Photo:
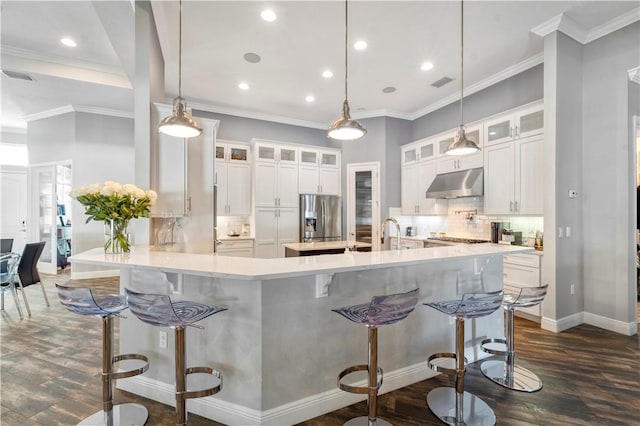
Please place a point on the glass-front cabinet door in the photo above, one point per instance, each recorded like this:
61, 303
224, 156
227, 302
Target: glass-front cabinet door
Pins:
499, 130
530, 121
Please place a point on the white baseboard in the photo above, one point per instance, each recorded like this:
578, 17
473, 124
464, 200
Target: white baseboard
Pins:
557, 326
94, 274
626, 328
562, 324
294, 412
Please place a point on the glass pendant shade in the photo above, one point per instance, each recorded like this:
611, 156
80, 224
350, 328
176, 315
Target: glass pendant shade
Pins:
179, 123
345, 128
461, 145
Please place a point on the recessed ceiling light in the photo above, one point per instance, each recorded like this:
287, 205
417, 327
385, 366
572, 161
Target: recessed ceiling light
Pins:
243, 86
254, 58
310, 98
360, 45
268, 15
389, 89
426, 66
68, 42
327, 73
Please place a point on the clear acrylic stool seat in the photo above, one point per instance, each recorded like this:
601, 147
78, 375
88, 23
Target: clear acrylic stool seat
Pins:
81, 300
8, 270
159, 310
381, 310
506, 372
455, 406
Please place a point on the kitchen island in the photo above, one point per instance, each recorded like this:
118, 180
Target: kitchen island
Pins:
279, 346
323, 247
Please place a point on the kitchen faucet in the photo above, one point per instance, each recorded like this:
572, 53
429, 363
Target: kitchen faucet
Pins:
395, 222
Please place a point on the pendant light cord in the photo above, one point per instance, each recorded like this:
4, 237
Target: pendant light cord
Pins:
346, 46
180, 54
461, 60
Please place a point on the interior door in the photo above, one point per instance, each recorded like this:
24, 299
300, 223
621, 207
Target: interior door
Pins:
43, 214
13, 208
363, 203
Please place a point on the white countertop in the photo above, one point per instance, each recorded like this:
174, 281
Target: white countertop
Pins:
325, 245
260, 269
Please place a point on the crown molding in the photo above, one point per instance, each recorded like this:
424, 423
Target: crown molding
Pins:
77, 108
218, 109
564, 24
634, 75
374, 113
614, 24
483, 84
576, 31
74, 63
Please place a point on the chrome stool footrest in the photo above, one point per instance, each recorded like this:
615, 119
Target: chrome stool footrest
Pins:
439, 368
491, 351
204, 392
129, 373
358, 389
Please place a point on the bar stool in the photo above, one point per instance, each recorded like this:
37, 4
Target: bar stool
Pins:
8, 269
455, 406
381, 310
160, 311
505, 372
80, 300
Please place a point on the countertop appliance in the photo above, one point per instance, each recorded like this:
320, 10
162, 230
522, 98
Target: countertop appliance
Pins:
320, 218
409, 231
496, 230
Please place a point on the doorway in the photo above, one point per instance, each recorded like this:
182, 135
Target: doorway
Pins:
49, 209
363, 203
13, 207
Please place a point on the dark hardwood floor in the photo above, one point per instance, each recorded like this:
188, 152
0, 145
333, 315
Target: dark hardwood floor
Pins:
50, 374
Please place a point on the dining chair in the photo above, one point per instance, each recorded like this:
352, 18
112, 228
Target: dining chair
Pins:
8, 267
6, 244
27, 273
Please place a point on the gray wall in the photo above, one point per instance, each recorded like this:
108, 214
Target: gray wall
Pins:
100, 148
243, 129
510, 93
607, 178
562, 262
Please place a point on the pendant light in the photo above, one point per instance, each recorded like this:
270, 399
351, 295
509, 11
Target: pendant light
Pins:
461, 145
179, 123
345, 128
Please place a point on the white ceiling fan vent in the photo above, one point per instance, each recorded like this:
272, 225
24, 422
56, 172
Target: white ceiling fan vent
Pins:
17, 75
442, 82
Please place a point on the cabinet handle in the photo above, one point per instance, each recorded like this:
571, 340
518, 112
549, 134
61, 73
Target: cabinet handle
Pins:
510, 206
517, 131
189, 203
515, 206
510, 132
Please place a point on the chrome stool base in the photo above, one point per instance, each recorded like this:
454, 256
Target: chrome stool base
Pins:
122, 414
364, 421
476, 412
520, 379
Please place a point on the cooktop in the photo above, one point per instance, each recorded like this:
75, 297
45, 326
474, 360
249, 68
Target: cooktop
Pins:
459, 240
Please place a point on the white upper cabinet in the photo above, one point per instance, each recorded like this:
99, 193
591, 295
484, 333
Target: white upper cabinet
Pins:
319, 172
233, 179
181, 169
422, 150
520, 123
276, 175
513, 177
415, 180
452, 163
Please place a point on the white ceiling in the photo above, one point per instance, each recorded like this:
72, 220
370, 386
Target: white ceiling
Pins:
307, 38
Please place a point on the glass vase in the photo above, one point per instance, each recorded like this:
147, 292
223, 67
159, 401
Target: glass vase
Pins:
116, 236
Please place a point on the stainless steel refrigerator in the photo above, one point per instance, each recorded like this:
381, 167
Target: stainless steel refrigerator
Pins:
320, 218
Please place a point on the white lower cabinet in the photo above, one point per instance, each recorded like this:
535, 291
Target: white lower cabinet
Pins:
513, 174
416, 179
522, 270
275, 227
236, 248
405, 243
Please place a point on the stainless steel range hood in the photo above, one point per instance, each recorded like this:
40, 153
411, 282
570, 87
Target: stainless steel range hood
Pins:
464, 183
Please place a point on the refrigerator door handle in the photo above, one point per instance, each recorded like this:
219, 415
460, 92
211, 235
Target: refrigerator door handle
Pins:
324, 218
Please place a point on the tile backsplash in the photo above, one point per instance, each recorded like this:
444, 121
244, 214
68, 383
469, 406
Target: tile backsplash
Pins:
466, 219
